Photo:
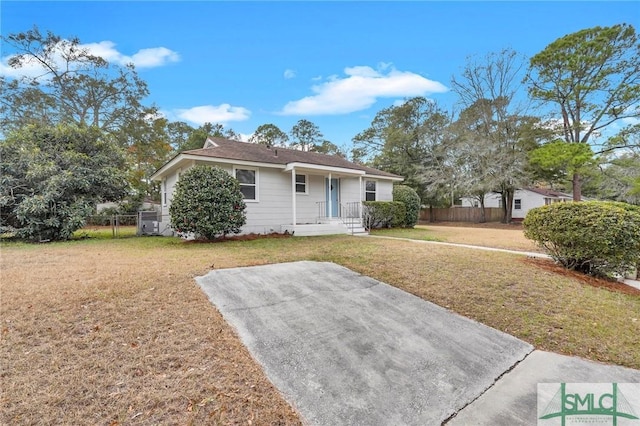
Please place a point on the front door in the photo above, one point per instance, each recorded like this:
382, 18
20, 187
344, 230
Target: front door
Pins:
332, 190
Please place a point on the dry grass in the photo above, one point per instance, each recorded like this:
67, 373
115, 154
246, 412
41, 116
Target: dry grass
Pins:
117, 331
497, 235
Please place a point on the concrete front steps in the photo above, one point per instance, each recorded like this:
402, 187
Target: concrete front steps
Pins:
329, 227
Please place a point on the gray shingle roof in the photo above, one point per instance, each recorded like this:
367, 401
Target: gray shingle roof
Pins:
549, 192
234, 150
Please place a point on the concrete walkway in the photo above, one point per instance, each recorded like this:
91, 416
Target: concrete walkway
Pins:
345, 349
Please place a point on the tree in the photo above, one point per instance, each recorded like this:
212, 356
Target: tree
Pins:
208, 202
147, 147
328, 148
559, 160
270, 135
408, 140
74, 86
620, 178
593, 76
197, 137
493, 123
305, 135
219, 131
52, 177
178, 133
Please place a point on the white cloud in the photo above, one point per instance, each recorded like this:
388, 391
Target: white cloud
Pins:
31, 70
242, 137
288, 74
143, 58
213, 114
360, 89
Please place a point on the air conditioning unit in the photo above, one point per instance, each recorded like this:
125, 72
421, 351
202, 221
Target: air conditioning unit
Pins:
148, 223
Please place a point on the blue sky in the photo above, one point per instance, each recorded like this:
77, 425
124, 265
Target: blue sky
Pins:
336, 64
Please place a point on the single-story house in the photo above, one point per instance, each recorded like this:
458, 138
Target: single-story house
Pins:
285, 190
524, 200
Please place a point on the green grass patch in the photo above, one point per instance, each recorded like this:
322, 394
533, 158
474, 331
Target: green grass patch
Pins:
105, 232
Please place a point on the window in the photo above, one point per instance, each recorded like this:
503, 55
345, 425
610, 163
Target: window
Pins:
301, 184
370, 190
248, 183
517, 204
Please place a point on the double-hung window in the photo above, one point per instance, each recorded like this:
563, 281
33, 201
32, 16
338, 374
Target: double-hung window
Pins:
517, 204
370, 190
248, 179
301, 184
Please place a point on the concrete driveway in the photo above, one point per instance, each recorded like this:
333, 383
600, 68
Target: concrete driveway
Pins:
345, 349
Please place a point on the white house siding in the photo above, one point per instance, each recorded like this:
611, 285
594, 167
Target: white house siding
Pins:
307, 204
350, 190
274, 208
384, 190
528, 200
167, 185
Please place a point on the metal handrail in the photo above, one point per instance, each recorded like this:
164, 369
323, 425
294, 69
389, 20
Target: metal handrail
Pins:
349, 213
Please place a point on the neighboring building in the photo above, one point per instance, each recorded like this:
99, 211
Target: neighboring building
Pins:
147, 204
285, 190
524, 200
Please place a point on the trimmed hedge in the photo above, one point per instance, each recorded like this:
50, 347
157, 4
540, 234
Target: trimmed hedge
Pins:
407, 195
383, 214
207, 202
598, 238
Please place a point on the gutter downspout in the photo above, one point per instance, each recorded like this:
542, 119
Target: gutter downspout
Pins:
330, 197
293, 196
360, 200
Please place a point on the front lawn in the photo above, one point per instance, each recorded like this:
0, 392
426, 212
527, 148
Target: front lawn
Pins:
510, 237
117, 332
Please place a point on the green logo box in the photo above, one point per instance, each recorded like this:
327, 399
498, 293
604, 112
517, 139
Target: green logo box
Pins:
578, 404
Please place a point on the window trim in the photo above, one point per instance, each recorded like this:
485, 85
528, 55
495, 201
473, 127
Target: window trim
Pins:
517, 203
306, 184
374, 192
256, 184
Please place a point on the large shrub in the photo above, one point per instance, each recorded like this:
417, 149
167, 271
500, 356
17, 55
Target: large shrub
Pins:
52, 177
208, 202
407, 195
598, 238
383, 214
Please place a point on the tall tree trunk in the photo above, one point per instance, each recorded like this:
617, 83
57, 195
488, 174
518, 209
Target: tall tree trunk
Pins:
483, 215
503, 204
431, 218
577, 187
507, 204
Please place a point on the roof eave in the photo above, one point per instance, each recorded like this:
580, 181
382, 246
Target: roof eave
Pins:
393, 178
344, 170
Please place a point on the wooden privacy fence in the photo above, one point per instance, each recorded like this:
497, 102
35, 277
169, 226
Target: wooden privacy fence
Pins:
460, 214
